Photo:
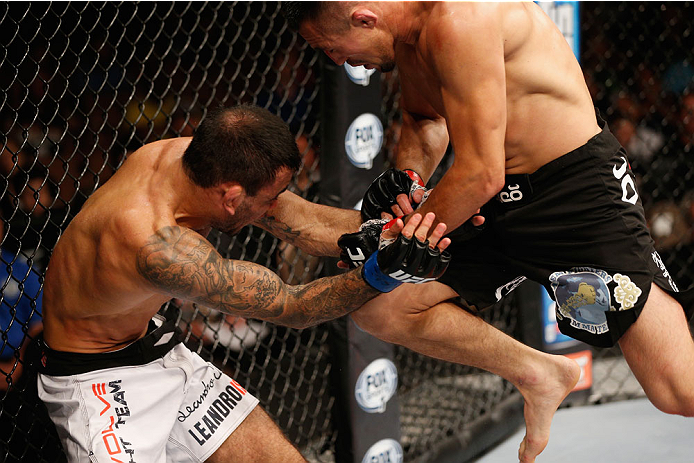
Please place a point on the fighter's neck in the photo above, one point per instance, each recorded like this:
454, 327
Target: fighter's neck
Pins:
194, 206
410, 20
190, 204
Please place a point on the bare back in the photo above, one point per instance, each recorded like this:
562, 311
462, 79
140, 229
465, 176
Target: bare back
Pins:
140, 241
545, 92
111, 304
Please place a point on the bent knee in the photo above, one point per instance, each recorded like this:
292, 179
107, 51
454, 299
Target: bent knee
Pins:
389, 315
378, 320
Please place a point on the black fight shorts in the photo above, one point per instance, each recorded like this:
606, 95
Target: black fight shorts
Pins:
577, 227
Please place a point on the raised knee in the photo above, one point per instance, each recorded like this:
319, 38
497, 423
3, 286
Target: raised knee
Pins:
386, 318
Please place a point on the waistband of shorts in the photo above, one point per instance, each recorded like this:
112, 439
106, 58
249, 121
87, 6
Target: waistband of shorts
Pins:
519, 189
161, 337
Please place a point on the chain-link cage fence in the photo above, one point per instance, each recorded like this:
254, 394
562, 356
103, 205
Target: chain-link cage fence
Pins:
84, 84
638, 61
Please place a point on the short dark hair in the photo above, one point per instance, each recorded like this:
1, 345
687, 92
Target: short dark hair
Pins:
244, 144
297, 12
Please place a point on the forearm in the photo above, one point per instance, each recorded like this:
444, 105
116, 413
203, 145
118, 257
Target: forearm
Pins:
325, 299
313, 228
263, 295
455, 199
180, 263
423, 142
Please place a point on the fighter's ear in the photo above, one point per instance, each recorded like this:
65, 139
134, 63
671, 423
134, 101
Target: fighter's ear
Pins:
363, 17
232, 196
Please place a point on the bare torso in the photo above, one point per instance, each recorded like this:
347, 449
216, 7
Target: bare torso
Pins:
94, 298
549, 110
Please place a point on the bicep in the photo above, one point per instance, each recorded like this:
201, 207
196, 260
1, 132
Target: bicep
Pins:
182, 264
473, 88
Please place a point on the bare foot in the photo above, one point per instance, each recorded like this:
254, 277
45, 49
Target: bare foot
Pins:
543, 391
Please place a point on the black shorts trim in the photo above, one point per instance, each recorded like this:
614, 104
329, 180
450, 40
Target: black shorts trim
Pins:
154, 345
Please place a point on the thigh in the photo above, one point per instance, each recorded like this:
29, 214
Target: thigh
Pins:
388, 315
480, 272
259, 439
659, 343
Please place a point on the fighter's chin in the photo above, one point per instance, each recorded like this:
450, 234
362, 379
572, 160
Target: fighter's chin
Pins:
388, 66
228, 228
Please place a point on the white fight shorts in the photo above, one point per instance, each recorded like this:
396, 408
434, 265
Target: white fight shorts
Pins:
176, 408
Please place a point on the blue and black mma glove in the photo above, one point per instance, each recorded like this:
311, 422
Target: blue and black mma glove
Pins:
383, 192
356, 247
406, 260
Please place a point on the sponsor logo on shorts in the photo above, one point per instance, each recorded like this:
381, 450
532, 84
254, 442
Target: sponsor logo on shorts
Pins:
626, 293
116, 409
510, 193
220, 408
582, 298
376, 385
659, 262
503, 291
384, 451
206, 388
621, 173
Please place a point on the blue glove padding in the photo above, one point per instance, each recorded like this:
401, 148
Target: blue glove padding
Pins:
375, 277
404, 261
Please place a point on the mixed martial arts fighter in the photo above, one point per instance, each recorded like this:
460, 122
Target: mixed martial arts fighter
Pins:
500, 82
114, 376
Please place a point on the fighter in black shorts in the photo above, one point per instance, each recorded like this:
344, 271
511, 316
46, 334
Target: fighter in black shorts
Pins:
577, 227
499, 83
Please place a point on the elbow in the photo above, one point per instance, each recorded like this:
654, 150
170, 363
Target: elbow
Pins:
488, 182
298, 321
494, 182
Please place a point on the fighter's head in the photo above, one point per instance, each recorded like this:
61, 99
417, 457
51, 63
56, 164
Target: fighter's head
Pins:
352, 32
250, 154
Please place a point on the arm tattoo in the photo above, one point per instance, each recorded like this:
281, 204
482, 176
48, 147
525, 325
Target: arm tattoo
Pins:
182, 263
279, 229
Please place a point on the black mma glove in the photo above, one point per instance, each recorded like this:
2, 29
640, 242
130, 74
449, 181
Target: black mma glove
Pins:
384, 190
404, 261
355, 248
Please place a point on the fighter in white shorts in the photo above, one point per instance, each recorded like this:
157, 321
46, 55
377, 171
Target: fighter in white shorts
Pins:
117, 382
175, 407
